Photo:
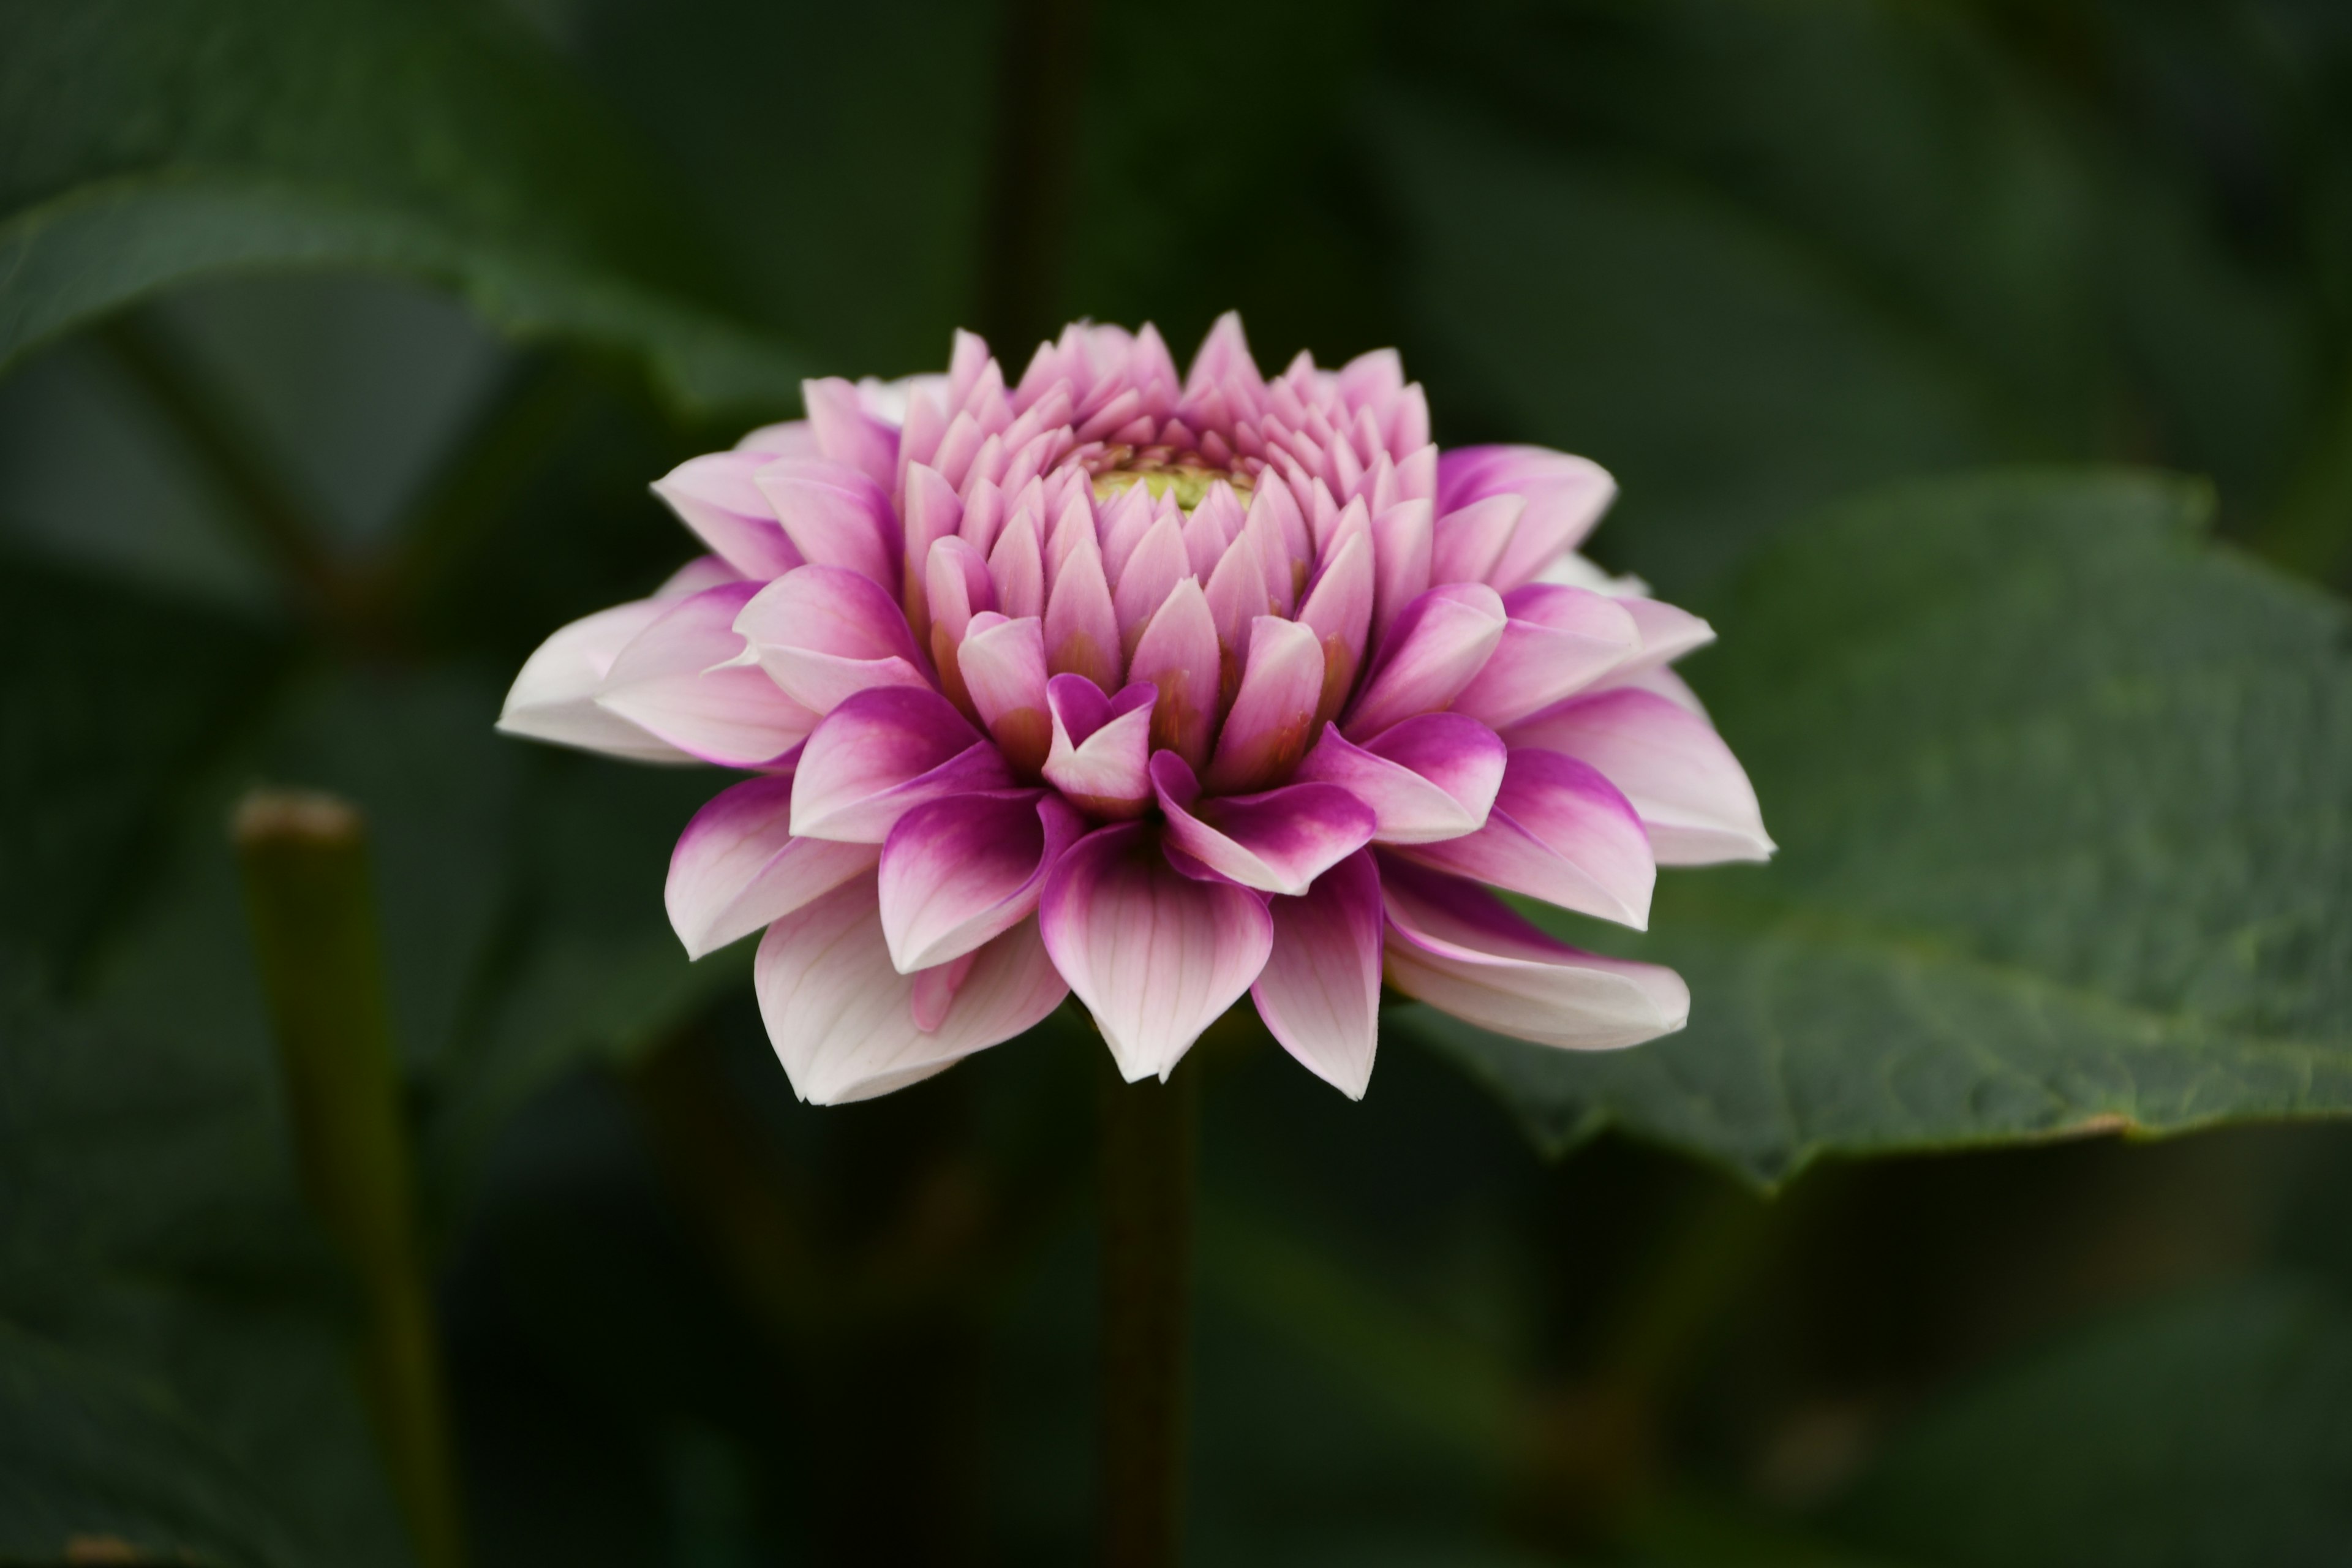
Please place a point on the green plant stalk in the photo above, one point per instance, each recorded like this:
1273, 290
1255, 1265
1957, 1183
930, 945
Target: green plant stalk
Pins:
1148, 1134
311, 905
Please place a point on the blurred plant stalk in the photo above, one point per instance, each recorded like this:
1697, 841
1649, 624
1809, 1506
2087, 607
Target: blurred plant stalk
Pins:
1149, 1135
309, 898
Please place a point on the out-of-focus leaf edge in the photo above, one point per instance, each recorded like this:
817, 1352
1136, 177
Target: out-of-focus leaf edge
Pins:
77, 258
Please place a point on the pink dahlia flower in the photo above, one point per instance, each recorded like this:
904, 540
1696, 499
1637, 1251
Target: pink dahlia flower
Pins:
1159, 688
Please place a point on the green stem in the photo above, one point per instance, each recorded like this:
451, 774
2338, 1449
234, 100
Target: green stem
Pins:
1148, 1133
308, 899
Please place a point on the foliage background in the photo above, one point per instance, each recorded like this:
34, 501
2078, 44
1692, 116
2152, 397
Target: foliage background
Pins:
1984, 369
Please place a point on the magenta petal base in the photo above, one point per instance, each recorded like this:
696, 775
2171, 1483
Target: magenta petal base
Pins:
1158, 688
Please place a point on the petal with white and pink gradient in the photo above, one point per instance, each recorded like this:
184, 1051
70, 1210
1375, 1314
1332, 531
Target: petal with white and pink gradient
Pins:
1319, 992
716, 496
1155, 955
963, 870
1433, 777
1277, 842
1560, 832
1558, 642
1436, 647
1178, 654
682, 679
824, 633
1690, 792
1102, 745
842, 1018
1272, 718
1454, 945
1003, 667
880, 755
553, 696
737, 867
834, 516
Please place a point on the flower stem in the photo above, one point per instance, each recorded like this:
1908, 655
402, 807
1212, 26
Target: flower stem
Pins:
1148, 1133
313, 920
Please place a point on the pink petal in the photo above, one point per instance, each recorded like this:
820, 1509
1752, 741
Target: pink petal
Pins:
1319, 992
847, 434
554, 696
835, 516
1273, 716
1017, 566
1558, 641
1003, 665
1667, 634
963, 870
679, 679
823, 633
1691, 793
792, 438
1436, 649
1177, 654
1081, 627
1431, 778
1339, 613
1460, 949
715, 496
1101, 745
1558, 832
1155, 955
1402, 549
1152, 573
934, 512
842, 1018
702, 572
1277, 842
1470, 539
736, 866
1566, 496
882, 753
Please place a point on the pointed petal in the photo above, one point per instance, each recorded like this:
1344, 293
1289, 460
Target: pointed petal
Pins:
1319, 992
1273, 716
1560, 832
880, 755
1667, 634
823, 633
1003, 665
715, 496
1017, 566
679, 679
737, 867
1277, 842
554, 694
963, 870
1177, 654
1558, 641
1565, 495
1158, 563
1155, 955
1081, 627
1436, 649
847, 434
1339, 613
1690, 792
1470, 539
843, 1019
1457, 947
1102, 746
1403, 546
834, 516
1431, 778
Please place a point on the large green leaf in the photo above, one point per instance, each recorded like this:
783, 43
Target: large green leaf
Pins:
148, 142
2065, 802
2214, 1430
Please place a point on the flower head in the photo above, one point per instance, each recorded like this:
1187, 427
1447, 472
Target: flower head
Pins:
1158, 688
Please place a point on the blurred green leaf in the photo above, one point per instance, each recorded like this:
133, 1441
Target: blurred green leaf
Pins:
147, 142
2209, 1430
2065, 802
108, 698
174, 1369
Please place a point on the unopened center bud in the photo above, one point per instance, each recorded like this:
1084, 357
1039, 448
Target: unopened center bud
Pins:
1164, 471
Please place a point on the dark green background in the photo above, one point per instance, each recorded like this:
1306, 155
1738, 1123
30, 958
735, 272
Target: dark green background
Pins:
1983, 370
